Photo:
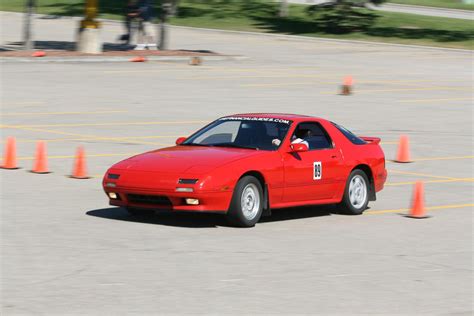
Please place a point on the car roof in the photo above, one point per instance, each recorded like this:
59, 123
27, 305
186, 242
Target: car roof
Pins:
283, 116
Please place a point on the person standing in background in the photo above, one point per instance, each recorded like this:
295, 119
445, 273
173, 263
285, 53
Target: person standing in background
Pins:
139, 12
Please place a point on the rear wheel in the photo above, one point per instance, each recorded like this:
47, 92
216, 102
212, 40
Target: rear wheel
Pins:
356, 193
247, 203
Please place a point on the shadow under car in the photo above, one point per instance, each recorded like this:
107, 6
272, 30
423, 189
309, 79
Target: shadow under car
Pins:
208, 220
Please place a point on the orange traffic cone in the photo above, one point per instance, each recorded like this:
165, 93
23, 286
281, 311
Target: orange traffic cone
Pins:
41, 164
9, 158
79, 171
403, 154
347, 85
38, 54
138, 59
418, 204
195, 61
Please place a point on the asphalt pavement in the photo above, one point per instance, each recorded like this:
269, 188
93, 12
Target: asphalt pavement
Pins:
65, 251
411, 9
428, 11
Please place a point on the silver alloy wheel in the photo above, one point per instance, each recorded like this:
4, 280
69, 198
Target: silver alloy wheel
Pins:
357, 192
250, 201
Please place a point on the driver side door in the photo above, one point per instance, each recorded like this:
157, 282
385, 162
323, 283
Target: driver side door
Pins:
315, 174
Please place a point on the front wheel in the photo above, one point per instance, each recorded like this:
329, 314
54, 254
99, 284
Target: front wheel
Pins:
356, 193
247, 203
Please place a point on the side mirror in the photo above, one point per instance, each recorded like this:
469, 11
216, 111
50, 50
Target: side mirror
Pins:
300, 147
180, 140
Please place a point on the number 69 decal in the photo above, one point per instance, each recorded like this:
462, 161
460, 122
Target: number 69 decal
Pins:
317, 170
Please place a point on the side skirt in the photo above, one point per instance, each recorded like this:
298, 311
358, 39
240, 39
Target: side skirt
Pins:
304, 203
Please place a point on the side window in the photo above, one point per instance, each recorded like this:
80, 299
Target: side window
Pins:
349, 135
314, 134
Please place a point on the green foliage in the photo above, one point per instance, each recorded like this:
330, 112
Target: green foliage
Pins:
344, 16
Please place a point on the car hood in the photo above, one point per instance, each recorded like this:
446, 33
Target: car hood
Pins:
184, 159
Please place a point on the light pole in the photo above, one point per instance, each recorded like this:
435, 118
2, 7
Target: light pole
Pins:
27, 33
163, 26
88, 38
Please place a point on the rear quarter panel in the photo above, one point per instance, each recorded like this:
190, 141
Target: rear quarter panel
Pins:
370, 154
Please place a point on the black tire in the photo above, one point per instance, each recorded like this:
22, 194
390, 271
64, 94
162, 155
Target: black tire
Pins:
139, 212
358, 204
249, 214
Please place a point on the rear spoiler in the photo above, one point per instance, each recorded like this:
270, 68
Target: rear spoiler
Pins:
374, 140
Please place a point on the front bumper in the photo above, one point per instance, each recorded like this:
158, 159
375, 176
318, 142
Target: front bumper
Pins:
209, 201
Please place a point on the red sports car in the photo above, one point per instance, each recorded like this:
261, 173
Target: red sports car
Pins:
244, 165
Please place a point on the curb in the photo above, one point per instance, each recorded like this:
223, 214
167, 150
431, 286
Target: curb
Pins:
325, 39
307, 38
101, 59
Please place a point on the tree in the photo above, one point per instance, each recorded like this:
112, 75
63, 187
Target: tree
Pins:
344, 16
283, 12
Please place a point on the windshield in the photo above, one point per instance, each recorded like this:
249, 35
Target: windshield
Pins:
242, 132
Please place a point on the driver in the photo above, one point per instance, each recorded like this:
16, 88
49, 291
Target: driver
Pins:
300, 137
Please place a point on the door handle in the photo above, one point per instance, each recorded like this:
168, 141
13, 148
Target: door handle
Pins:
333, 156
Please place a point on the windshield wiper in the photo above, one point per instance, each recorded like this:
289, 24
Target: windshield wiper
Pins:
235, 146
